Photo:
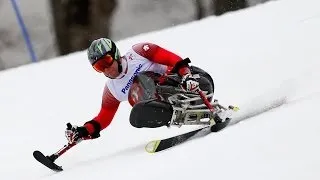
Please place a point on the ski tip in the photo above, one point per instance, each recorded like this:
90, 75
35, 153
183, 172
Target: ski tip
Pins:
36, 152
46, 161
152, 146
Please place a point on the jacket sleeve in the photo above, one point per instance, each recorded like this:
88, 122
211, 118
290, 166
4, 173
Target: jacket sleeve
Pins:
160, 55
108, 109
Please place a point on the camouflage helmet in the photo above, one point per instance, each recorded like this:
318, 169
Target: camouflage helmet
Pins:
100, 47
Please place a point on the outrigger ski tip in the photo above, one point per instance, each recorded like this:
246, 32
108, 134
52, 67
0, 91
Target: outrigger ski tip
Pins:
45, 160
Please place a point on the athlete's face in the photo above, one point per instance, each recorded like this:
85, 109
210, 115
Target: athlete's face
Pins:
108, 66
112, 71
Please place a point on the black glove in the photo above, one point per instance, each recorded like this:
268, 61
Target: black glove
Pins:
75, 134
189, 83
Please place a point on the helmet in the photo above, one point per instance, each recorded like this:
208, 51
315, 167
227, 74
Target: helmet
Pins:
101, 47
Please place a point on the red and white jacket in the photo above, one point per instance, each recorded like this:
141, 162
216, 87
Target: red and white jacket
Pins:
141, 57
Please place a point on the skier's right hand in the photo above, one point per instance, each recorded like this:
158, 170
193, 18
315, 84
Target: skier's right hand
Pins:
189, 83
75, 134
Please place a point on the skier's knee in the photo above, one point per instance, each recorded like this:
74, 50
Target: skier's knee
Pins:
135, 115
205, 84
150, 114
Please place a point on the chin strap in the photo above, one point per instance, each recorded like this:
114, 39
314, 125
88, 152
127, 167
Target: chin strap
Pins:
122, 70
119, 66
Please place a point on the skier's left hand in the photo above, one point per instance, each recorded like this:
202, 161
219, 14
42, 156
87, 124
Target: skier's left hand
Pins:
189, 83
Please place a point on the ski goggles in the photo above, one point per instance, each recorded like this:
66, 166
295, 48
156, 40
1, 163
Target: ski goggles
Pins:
103, 63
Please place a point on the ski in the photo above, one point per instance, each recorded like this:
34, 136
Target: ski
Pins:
164, 144
47, 161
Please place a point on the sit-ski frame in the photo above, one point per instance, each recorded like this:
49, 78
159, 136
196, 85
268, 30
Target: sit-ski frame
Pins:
184, 113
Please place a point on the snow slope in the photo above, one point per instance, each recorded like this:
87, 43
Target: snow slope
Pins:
273, 62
